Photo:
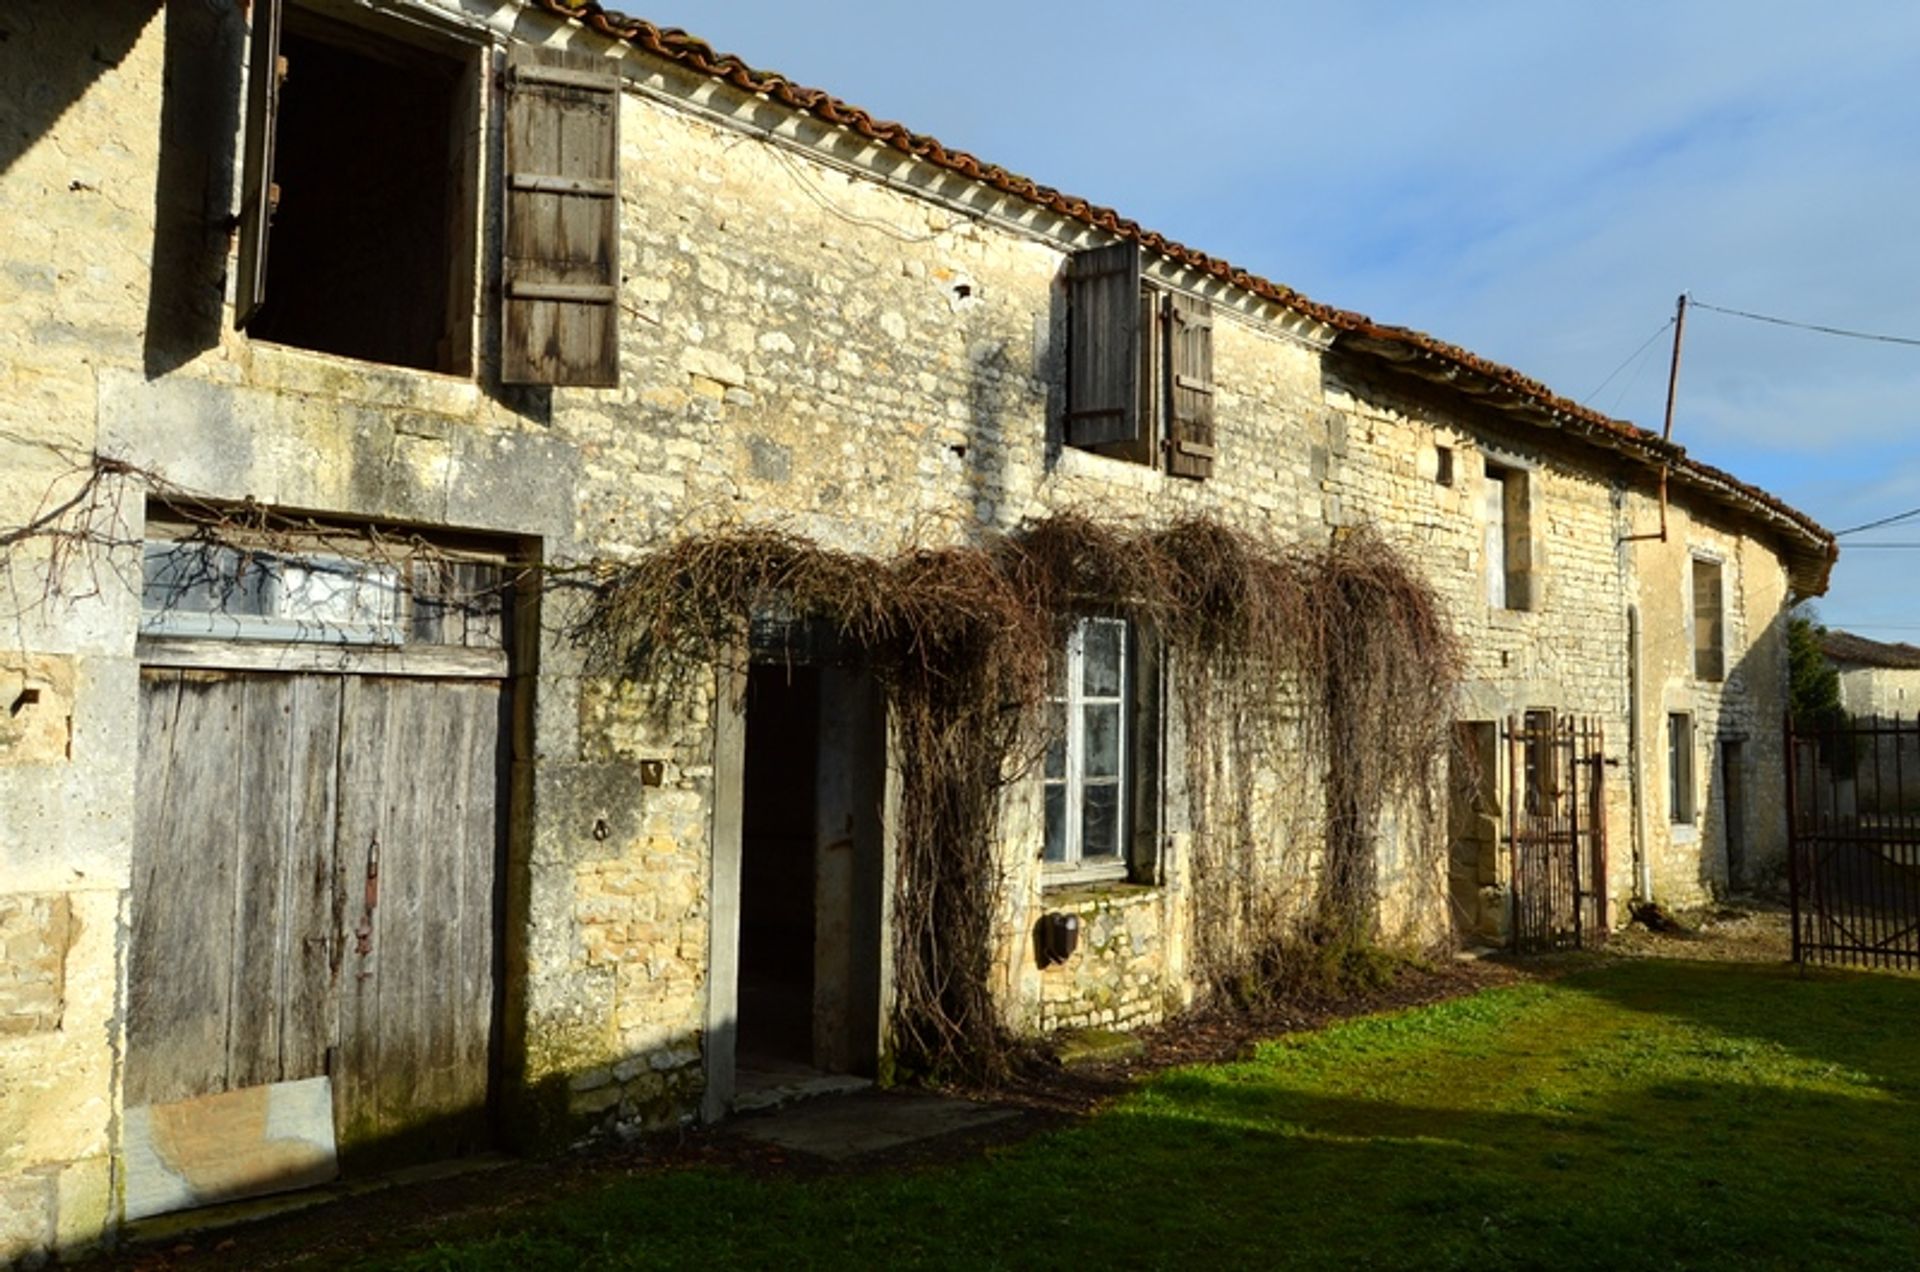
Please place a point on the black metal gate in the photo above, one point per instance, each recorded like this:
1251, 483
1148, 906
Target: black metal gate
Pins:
1556, 831
1853, 801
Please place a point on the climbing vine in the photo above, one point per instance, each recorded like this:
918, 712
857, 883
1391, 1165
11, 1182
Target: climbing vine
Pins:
1332, 665
1314, 686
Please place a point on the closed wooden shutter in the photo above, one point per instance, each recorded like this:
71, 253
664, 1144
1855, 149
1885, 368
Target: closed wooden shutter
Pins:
258, 194
1190, 436
561, 272
1103, 347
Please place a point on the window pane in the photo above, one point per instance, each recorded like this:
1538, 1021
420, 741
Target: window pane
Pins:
1056, 822
340, 594
1100, 829
1102, 724
1104, 640
199, 578
1056, 740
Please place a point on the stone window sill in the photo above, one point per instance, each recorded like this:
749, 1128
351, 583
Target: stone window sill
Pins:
1078, 893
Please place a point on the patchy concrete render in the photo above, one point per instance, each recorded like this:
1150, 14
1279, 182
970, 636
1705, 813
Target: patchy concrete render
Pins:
867, 361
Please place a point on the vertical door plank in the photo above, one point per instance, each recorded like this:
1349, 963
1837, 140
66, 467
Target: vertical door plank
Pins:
180, 966
440, 792
259, 962
315, 898
364, 771
482, 769
411, 798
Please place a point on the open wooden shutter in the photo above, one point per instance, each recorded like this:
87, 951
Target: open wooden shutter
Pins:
1190, 439
561, 266
1146, 762
258, 194
1103, 346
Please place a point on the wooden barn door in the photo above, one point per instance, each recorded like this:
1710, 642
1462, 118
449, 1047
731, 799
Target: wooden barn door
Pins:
315, 894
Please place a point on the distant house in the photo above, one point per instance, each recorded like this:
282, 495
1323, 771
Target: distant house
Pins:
1877, 678
473, 298
1880, 689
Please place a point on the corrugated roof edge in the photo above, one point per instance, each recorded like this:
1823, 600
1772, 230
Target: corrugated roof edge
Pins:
675, 45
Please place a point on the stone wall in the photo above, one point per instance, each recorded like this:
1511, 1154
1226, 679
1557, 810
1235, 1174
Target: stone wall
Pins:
866, 361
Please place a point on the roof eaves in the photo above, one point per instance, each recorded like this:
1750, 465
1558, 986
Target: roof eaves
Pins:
1817, 549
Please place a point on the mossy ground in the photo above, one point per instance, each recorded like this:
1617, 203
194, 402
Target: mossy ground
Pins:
1637, 1114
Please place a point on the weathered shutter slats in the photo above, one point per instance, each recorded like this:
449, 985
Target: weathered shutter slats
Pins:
561, 272
257, 191
1190, 432
1103, 346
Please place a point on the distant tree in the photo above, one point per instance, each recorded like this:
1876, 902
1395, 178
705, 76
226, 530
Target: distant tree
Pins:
1814, 696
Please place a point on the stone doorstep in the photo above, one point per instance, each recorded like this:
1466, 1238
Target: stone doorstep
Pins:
231, 1214
854, 1125
775, 1095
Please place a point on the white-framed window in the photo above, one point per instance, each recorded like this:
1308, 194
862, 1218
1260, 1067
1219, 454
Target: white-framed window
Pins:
1086, 774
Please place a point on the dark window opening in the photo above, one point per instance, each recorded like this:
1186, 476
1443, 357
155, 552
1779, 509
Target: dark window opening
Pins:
1680, 806
371, 222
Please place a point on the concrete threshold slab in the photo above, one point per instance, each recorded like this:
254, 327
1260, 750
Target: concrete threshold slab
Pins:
845, 1127
229, 1214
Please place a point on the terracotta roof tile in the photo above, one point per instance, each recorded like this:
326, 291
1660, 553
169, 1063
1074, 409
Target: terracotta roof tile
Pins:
1848, 648
1818, 549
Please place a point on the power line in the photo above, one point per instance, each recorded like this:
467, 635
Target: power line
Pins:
1908, 515
1911, 543
1807, 326
1623, 366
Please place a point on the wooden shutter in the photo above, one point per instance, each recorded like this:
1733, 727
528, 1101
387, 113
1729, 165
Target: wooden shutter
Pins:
561, 268
1145, 763
1103, 347
1190, 447
258, 194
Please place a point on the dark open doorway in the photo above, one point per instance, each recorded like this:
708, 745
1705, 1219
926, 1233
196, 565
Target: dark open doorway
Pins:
810, 877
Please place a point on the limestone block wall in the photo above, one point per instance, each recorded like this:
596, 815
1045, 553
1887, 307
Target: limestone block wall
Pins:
1880, 691
867, 359
77, 180
1887, 769
1688, 859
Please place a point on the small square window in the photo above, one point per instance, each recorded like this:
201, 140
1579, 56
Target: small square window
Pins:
1443, 465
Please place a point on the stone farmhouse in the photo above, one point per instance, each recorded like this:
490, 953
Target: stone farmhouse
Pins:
1877, 678
304, 865
1880, 690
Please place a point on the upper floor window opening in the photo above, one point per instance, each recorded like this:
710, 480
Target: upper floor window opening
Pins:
1509, 539
361, 206
1709, 621
1139, 365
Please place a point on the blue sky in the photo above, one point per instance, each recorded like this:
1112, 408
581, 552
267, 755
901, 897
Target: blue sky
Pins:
1536, 181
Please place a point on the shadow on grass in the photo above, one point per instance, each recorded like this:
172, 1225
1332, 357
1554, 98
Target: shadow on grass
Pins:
1867, 1022
1610, 1120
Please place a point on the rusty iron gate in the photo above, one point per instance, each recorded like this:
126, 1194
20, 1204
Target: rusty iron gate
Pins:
1556, 831
1853, 816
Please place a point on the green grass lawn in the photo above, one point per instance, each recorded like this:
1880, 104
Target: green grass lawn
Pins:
1637, 1114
